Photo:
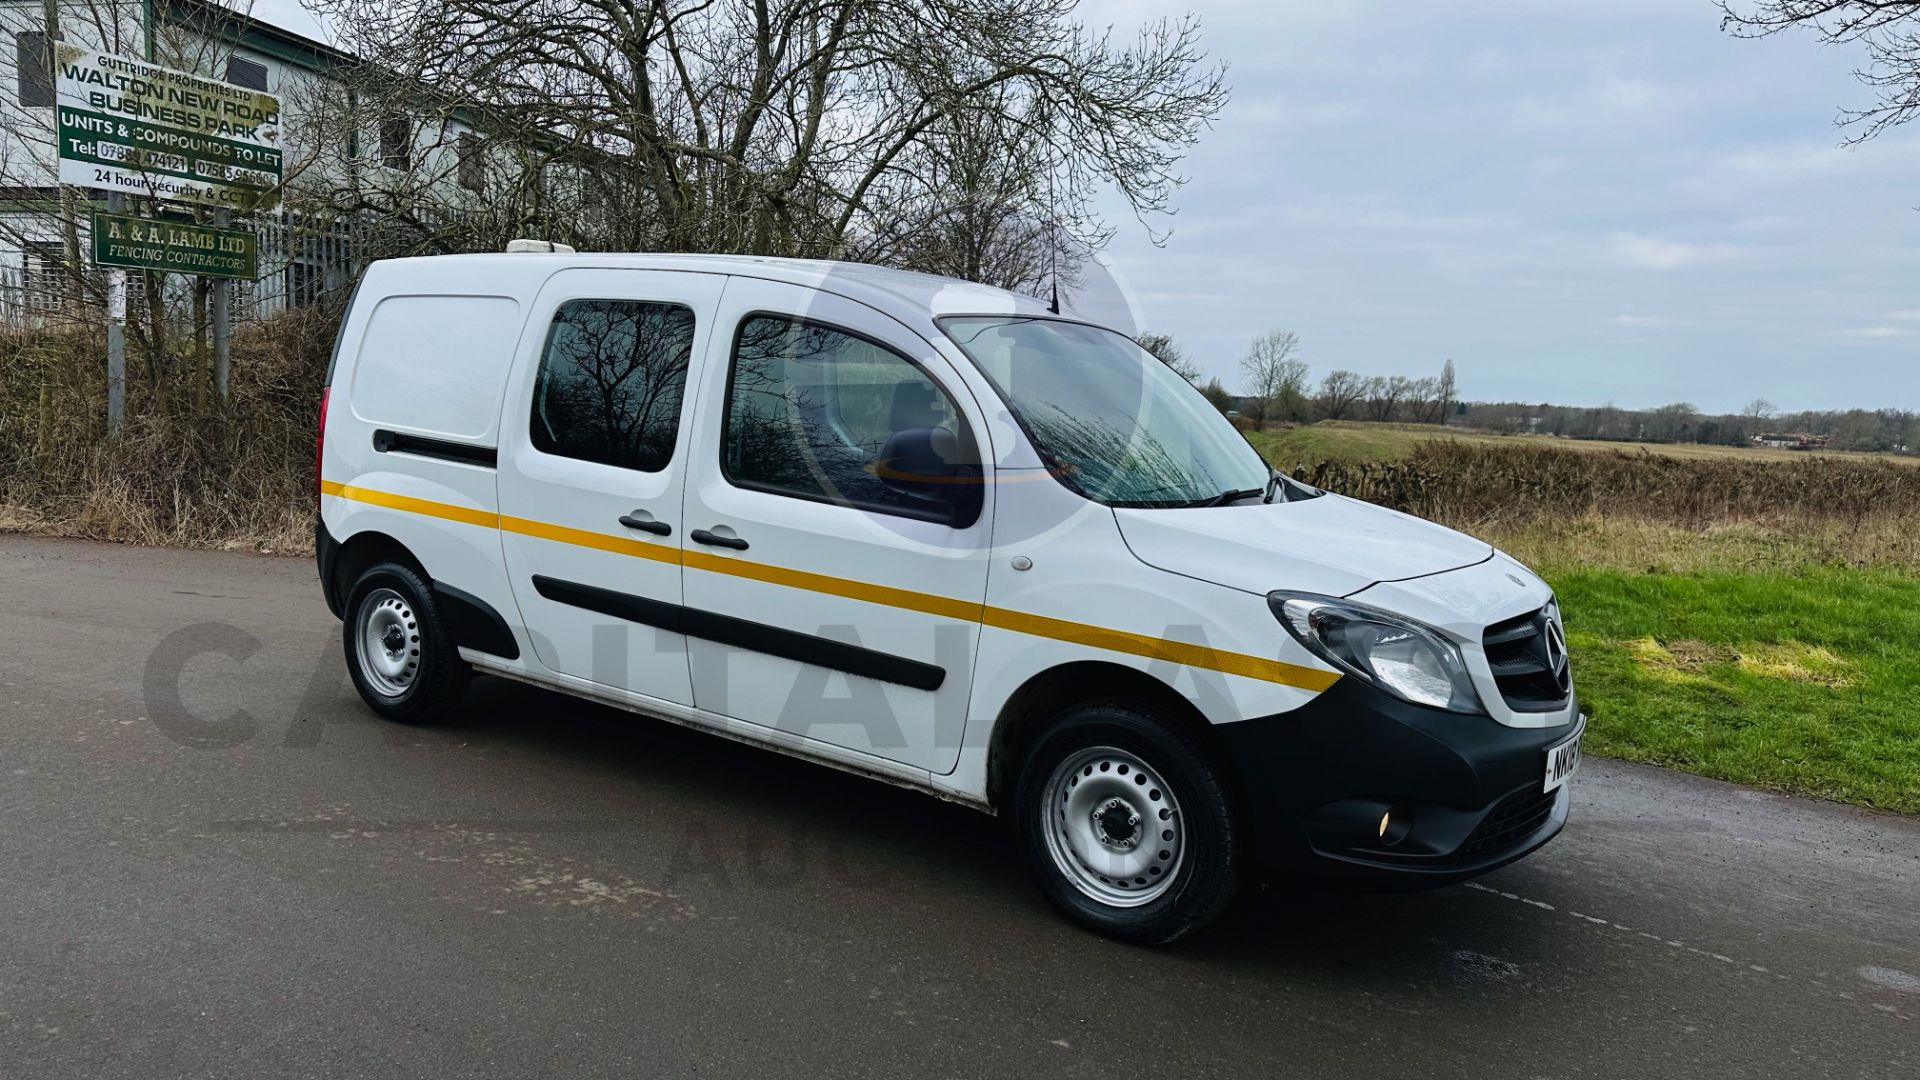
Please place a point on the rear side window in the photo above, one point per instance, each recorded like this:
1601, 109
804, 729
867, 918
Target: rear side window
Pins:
811, 411
611, 381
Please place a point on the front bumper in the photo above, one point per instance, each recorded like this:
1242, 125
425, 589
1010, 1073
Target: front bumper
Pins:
1463, 791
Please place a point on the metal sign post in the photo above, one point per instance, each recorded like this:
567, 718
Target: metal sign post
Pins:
116, 335
222, 329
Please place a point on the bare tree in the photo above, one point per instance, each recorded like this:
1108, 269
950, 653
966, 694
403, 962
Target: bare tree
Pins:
1168, 352
1448, 390
1889, 31
1425, 403
1384, 395
932, 133
1275, 376
1339, 393
1758, 411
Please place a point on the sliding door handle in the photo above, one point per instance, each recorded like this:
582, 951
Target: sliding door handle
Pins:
702, 536
657, 528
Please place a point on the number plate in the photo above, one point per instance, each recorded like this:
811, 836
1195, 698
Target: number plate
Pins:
1562, 762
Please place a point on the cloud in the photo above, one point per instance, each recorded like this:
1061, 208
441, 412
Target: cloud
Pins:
1904, 316
1874, 333
1644, 322
1658, 253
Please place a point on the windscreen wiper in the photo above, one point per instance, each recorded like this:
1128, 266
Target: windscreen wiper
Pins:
1226, 497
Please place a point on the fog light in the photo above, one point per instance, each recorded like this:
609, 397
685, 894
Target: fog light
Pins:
1395, 824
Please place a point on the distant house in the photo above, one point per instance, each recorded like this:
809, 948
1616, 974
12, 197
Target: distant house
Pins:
1793, 441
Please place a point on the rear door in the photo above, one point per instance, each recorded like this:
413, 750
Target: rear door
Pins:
824, 602
592, 468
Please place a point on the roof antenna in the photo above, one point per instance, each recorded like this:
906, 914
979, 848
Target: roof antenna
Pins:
1053, 214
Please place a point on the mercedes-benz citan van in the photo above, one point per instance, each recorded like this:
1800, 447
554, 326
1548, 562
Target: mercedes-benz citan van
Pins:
936, 534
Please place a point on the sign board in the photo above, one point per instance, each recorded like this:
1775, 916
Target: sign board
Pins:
129, 126
182, 247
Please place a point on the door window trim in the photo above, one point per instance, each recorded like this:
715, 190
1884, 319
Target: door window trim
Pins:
965, 431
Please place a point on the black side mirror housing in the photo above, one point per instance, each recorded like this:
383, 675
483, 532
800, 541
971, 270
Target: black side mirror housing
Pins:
931, 467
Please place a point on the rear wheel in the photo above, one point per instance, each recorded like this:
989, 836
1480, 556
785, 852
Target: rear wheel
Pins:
1127, 824
399, 653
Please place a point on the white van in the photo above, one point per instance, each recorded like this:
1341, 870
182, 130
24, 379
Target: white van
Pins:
933, 533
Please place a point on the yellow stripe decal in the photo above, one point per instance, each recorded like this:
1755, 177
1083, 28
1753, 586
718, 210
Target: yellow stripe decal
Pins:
1179, 652
619, 545
1097, 637
464, 515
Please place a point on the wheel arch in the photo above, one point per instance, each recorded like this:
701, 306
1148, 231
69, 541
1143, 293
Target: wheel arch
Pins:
1049, 693
357, 553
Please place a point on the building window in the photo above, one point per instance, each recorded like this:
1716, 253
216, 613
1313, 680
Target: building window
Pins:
473, 167
244, 72
44, 281
396, 141
35, 68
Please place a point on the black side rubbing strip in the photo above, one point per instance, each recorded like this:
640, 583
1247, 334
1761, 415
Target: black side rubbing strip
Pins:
741, 633
637, 609
812, 649
474, 622
399, 442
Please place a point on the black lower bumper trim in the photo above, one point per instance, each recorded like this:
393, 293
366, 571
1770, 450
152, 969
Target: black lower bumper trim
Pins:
1361, 787
326, 552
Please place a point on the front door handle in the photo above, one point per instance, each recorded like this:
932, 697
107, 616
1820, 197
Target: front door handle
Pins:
657, 528
702, 536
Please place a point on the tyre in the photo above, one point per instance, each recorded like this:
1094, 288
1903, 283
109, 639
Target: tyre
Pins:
1127, 824
399, 653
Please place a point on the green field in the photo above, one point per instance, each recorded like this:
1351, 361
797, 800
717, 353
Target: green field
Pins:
1800, 682
1780, 653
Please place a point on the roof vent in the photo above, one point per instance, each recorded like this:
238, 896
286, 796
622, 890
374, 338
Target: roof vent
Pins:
521, 247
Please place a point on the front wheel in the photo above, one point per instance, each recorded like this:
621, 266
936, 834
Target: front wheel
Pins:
1127, 824
401, 657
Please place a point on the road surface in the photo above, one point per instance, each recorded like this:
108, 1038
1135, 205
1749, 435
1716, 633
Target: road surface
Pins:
214, 862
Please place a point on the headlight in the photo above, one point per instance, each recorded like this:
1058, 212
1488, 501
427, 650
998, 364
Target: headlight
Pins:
1402, 657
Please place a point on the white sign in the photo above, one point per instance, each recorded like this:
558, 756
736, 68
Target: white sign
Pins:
129, 126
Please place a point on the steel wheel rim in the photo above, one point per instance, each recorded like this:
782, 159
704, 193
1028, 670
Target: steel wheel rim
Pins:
1113, 827
387, 644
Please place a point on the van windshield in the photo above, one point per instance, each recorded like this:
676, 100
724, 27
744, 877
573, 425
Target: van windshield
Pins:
1107, 417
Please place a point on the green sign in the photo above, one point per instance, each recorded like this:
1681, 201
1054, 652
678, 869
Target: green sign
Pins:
130, 126
120, 240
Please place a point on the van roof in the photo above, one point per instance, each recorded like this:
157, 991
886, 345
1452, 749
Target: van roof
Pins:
898, 292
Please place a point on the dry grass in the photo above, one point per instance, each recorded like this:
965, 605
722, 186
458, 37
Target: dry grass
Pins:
1635, 544
1646, 512
185, 472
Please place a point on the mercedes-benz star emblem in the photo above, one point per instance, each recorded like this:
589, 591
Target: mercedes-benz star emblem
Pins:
1556, 649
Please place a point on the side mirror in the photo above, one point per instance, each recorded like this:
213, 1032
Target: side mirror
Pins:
926, 466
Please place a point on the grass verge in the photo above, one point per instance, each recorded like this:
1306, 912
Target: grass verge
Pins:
1800, 682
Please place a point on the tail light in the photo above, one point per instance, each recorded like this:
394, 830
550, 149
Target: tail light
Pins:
320, 444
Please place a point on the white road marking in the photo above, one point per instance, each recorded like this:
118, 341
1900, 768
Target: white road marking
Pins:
1886, 978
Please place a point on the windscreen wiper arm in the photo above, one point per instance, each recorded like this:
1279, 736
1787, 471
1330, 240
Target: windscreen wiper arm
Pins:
1226, 497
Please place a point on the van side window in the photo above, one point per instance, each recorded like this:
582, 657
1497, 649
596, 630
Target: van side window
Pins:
814, 412
610, 382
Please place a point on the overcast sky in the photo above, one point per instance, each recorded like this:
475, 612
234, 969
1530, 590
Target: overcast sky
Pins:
1578, 201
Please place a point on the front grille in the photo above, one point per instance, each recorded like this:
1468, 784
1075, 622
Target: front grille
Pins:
1529, 660
1511, 820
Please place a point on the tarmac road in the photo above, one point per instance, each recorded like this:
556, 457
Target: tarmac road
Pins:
554, 888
